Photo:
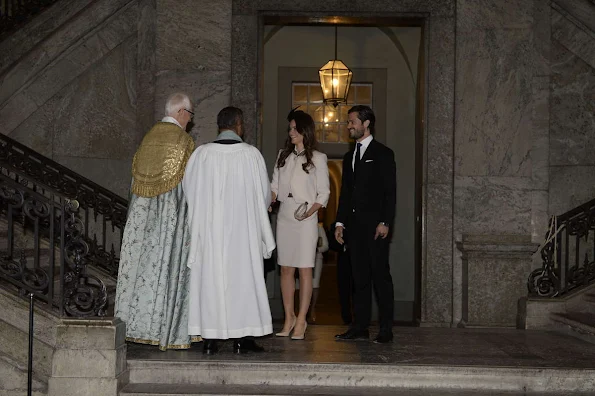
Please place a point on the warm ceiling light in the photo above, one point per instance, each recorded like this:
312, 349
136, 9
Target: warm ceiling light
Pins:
335, 79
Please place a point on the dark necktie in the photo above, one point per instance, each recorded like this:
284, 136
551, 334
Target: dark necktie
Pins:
357, 158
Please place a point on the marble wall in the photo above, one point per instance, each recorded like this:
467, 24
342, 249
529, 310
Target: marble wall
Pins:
192, 55
572, 128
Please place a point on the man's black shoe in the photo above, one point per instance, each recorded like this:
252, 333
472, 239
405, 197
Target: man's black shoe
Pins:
244, 345
383, 338
353, 335
210, 347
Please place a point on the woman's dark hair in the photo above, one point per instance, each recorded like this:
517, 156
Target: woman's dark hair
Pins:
305, 127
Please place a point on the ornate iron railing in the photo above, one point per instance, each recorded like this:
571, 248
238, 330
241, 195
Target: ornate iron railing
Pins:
62, 232
568, 254
16, 13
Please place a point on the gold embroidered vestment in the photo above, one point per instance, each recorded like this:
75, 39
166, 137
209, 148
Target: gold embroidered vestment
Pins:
159, 163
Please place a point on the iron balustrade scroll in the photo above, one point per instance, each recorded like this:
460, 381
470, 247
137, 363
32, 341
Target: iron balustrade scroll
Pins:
63, 232
16, 13
568, 254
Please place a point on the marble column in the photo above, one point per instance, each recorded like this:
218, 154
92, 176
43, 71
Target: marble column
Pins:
496, 95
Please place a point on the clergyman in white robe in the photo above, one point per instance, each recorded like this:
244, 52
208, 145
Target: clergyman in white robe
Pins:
228, 193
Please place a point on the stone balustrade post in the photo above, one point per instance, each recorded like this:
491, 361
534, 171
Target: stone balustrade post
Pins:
495, 272
89, 359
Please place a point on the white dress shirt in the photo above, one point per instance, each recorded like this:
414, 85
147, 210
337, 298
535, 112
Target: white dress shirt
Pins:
365, 143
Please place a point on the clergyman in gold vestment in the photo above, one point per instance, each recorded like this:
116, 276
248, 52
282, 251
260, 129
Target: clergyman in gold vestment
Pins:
153, 279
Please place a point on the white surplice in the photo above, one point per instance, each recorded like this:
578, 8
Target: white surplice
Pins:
228, 193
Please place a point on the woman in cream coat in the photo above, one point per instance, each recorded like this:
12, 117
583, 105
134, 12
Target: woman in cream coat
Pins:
300, 179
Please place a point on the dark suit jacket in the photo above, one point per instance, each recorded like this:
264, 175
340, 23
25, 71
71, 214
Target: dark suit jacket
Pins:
373, 194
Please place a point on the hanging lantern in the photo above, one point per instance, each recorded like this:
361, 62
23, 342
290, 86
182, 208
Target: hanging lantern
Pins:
335, 79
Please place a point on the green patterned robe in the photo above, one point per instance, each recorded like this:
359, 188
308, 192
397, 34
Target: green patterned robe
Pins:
153, 280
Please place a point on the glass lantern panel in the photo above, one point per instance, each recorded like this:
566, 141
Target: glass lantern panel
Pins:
316, 111
315, 94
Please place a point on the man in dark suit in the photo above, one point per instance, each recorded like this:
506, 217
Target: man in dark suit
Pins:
367, 209
344, 275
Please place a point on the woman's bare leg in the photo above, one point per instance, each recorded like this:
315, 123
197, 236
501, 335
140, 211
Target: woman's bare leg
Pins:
288, 292
305, 297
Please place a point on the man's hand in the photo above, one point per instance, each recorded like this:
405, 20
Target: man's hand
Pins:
381, 231
339, 234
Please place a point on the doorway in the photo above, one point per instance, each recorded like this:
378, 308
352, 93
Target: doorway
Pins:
387, 60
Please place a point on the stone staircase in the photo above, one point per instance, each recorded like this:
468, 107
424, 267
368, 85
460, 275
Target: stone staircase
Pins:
14, 338
14, 318
573, 314
579, 318
420, 361
251, 378
14, 378
583, 323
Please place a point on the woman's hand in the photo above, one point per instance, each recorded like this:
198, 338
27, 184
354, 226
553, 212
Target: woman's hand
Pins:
313, 209
273, 200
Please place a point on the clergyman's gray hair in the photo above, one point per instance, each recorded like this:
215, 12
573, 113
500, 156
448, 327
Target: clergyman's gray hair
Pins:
176, 102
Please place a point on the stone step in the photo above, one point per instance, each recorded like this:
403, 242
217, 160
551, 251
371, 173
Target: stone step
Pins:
267, 390
589, 298
13, 377
360, 377
14, 334
581, 322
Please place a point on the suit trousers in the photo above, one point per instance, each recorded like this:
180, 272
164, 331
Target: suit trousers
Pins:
371, 270
345, 284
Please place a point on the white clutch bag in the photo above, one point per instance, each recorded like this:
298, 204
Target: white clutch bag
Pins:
301, 211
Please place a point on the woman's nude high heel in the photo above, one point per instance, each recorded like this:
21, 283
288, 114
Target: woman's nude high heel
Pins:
286, 333
302, 336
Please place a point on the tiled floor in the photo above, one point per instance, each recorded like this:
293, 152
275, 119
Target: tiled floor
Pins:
411, 346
